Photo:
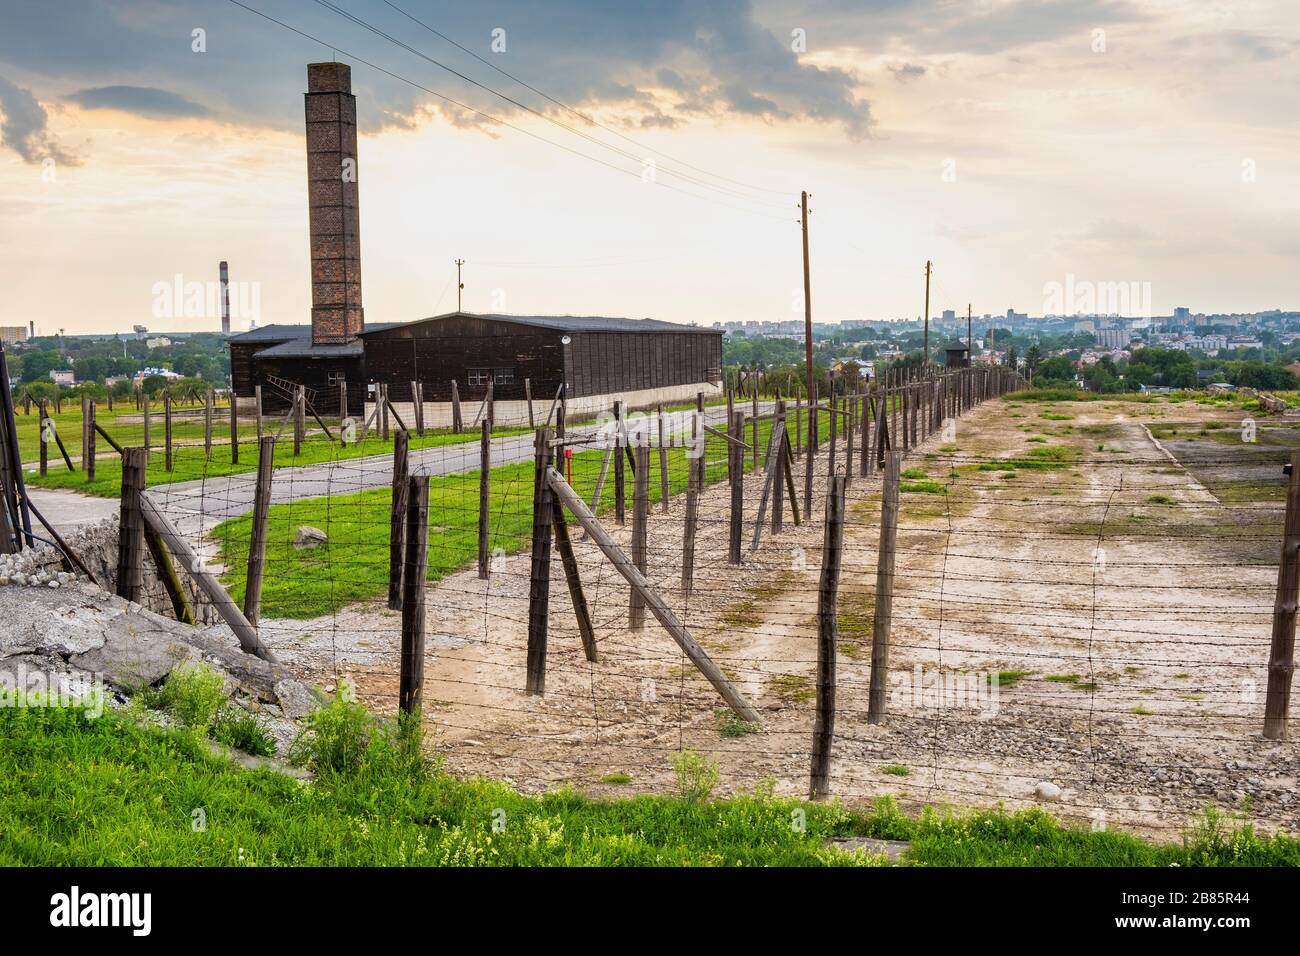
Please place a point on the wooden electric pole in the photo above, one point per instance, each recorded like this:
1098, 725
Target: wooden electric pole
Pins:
459, 285
926, 335
807, 304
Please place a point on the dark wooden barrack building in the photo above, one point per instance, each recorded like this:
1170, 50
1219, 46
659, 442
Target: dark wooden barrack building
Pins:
649, 360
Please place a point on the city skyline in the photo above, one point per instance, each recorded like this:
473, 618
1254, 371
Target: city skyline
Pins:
1015, 144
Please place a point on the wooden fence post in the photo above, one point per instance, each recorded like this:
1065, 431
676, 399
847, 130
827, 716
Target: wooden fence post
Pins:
736, 451
827, 640
416, 517
694, 482
663, 463
457, 425
416, 409
90, 440
144, 401
778, 487
640, 521
257, 538
397, 521
234, 429
528, 397
85, 429
620, 497
167, 429
798, 423
381, 396
130, 534
1281, 658
45, 452
208, 399
574, 579
257, 401
754, 429
539, 588
884, 613
299, 418
484, 499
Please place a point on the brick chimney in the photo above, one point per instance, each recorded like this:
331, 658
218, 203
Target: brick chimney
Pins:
336, 313
223, 270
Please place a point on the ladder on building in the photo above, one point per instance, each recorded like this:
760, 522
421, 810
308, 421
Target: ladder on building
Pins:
289, 389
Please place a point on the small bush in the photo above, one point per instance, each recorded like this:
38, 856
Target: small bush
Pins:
344, 739
895, 770
194, 694
696, 774
244, 731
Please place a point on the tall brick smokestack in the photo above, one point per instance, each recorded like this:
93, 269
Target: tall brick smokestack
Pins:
336, 313
224, 271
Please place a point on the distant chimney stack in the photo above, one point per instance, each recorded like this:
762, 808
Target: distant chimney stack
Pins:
31, 329
225, 298
336, 313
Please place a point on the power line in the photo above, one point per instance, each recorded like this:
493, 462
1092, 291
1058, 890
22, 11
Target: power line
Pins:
575, 112
490, 117
327, 4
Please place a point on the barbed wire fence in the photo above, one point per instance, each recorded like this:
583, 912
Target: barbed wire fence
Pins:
1090, 630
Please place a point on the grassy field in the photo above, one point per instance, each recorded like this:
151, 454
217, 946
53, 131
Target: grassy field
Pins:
353, 565
190, 463
114, 792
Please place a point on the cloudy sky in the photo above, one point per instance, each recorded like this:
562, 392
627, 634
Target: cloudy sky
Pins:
645, 158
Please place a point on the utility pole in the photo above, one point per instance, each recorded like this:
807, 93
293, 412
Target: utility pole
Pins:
970, 340
459, 285
807, 303
926, 338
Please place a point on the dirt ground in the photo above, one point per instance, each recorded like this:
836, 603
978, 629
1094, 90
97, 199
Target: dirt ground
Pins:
1125, 610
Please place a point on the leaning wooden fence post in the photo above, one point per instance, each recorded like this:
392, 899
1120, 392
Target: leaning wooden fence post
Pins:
884, 614
574, 579
778, 480
225, 606
416, 518
457, 425
539, 588
257, 538
484, 498
827, 640
528, 397
736, 451
397, 521
130, 534
662, 612
1281, 659
754, 430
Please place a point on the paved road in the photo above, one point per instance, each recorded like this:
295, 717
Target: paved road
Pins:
198, 506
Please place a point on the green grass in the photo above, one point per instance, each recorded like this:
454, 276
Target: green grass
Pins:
617, 777
1007, 678
895, 770
922, 487
108, 792
352, 565
192, 464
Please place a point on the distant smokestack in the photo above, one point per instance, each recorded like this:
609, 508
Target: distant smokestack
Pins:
225, 298
31, 329
336, 313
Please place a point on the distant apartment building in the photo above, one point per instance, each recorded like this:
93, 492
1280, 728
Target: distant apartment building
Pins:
62, 376
9, 334
949, 315
1182, 315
